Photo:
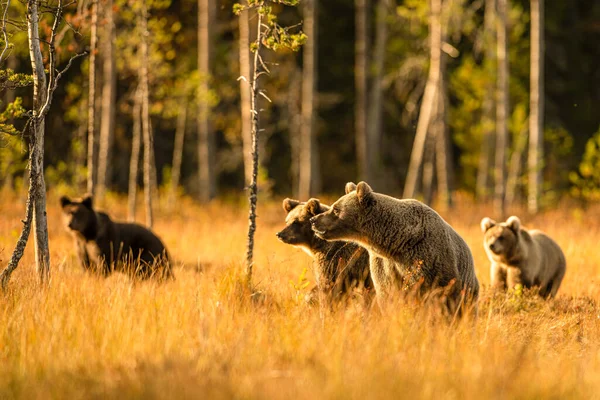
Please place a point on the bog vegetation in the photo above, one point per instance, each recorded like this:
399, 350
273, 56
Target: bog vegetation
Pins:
203, 335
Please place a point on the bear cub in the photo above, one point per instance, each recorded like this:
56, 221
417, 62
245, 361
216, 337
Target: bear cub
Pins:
339, 267
520, 256
104, 246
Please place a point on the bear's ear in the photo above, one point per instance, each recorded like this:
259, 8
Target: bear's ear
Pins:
364, 194
315, 207
65, 201
486, 224
350, 187
289, 204
514, 223
88, 201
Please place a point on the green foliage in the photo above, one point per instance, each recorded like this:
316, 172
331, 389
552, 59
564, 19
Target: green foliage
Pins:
586, 181
275, 36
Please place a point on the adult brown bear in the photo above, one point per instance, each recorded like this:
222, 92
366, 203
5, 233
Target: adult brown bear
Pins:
105, 246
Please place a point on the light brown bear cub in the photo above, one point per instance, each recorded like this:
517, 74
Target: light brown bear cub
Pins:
404, 238
104, 245
339, 267
520, 256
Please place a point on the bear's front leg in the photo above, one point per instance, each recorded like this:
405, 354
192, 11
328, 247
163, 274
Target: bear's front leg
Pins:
498, 277
83, 256
513, 277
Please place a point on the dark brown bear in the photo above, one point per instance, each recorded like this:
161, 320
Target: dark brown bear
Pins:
104, 246
339, 267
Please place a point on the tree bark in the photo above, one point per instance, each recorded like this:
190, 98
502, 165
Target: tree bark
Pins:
295, 122
253, 189
245, 88
536, 106
502, 110
488, 118
109, 83
429, 98
146, 127
206, 139
177, 154
91, 139
514, 169
40, 96
134, 162
308, 149
361, 87
443, 146
375, 107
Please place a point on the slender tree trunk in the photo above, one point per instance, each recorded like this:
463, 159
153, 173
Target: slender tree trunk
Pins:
536, 106
361, 87
135, 155
375, 115
206, 139
429, 158
146, 128
308, 149
40, 94
253, 189
443, 147
502, 110
429, 98
177, 154
514, 169
109, 84
91, 139
488, 119
245, 94
295, 122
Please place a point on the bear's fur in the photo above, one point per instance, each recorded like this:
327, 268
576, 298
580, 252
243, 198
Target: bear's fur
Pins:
339, 267
104, 245
520, 256
410, 245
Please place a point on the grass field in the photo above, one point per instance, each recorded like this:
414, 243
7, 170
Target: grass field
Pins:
203, 336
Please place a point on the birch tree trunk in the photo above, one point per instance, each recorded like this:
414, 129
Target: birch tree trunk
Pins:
177, 154
40, 94
206, 139
295, 122
502, 108
109, 83
91, 139
374, 128
361, 87
429, 98
134, 162
245, 94
488, 120
514, 167
443, 147
308, 148
536, 106
146, 128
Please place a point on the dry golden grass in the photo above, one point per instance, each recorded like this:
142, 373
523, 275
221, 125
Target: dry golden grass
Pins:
202, 336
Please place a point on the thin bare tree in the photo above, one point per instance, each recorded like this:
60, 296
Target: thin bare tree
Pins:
177, 153
429, 98
375, 113
91, 138
134, 162
536, 106
361, 88
206, 138
488, 118
109, 85
308, 142
146, 127
515, 164
294, 116
502, 110
43, 90
245, 110
443, 148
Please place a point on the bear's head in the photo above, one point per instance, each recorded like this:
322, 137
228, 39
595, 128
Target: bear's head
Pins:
501, 239
79, 216
345, 217
297, 231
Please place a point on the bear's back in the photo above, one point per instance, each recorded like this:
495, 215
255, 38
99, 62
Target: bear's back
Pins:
138, 238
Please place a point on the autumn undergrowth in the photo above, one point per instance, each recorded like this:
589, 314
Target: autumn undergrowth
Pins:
205, 335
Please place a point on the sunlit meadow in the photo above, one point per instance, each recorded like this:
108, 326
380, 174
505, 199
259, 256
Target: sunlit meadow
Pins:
203, 336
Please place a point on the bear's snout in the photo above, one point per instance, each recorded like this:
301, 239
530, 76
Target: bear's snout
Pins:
495, 248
